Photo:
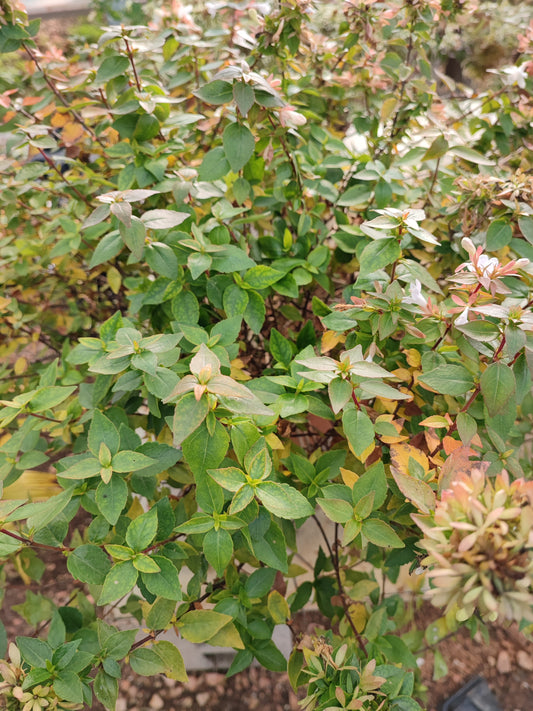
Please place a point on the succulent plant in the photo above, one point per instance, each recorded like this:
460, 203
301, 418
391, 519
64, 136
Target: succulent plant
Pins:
479, 542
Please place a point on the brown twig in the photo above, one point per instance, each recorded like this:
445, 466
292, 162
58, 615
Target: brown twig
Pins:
60, 96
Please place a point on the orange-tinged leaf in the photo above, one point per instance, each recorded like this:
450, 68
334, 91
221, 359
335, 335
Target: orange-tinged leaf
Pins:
46, 111
457, 462
31, 100
450, 444
58, 120
71, 133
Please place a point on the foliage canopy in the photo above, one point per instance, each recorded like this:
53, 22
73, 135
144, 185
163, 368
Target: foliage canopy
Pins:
263, 273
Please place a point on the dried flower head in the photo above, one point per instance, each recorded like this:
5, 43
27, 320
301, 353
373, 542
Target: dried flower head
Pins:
479, 542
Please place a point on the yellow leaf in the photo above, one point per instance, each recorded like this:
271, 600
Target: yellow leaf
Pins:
237, 370
274, 441
358, 615
21, 365
413, 357
435, 421
33, 485
114, 279
135, 509
348, 477
388, 107
401, 453
278, 607
330, 339
228, 636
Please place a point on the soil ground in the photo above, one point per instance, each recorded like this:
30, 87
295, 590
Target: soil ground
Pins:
506, 663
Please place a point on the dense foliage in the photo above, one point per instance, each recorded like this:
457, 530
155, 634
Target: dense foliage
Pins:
264, 266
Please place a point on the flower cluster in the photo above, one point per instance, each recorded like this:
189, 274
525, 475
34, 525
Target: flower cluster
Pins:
485, 271
479, 542
13, 695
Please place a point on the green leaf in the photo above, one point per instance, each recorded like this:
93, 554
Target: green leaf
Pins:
499, 234
238, 144
255, 312
141, 531
262, 276
339, 391
46, 398
229, 478
89, 564
218, 549
111, 498
108, 247
201, 625
110, 68
336, 510
526, 228
68, 687
127, 461
480, 330
188, 416
118, 644
260, 582
498, 386
216, 92
359, 432
280, 347
373, 481
244, 96
378, 254
205, 450
134, 237
199, 263
165, 583
118, 582
214, 165
283, 500
35, 652
106, 689
355, 196
448, 379
381, 534
102, 430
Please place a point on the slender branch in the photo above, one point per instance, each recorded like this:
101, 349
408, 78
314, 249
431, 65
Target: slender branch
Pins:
60, 96
342, 593
29, 542
54, 166
289, 155
130, 57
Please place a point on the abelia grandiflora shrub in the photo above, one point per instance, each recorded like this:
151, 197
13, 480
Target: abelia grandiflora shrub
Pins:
265, 269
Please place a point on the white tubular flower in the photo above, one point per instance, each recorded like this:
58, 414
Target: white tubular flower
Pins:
290, 118
415, 297
512, 76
